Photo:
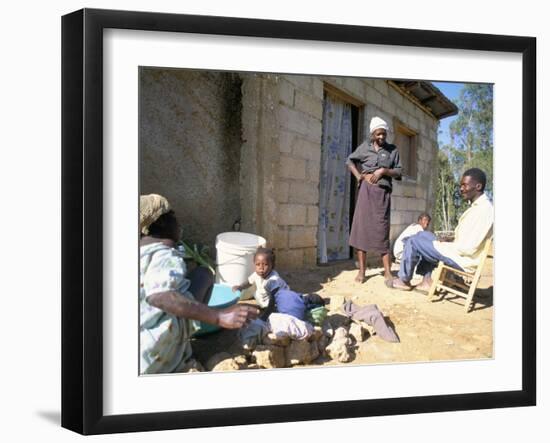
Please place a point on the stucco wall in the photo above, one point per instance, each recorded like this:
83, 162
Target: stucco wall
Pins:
190, 146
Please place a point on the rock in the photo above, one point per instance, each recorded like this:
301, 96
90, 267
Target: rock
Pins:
241, 361
192, 365
269, 356
224, 361
340, 334
226, 365
357, 332
217, 358
272, 339
338, 349
301, 351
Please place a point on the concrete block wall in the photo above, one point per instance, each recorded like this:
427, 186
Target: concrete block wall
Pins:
299, 114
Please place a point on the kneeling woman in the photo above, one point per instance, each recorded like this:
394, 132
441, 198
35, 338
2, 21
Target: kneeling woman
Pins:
171, 300
374, 164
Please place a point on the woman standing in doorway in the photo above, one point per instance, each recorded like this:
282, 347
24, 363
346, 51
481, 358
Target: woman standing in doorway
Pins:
374, 164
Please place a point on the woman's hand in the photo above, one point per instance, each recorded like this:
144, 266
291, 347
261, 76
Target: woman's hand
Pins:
376, 175
236, 288
236, 316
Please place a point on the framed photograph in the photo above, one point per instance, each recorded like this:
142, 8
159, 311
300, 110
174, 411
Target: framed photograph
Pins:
241, 129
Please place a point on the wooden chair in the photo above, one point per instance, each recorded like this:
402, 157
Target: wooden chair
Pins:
444, 278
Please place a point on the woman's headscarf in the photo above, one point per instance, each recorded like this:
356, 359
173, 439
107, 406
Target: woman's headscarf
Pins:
378, 123
151, 207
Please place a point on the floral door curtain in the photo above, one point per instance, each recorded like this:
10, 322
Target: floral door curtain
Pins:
334, 192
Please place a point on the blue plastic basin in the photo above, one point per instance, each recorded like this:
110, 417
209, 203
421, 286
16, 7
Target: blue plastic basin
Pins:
222, 297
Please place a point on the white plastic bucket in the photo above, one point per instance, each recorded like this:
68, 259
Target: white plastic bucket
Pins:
235, 256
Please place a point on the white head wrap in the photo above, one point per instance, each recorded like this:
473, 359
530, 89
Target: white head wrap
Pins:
378, 123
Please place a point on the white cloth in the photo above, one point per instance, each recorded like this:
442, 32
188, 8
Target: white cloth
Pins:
283, 325
474, 227
265, 286
164, 339
398, 246
378, 123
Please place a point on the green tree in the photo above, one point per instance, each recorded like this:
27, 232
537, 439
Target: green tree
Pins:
448, 204
471, 145
471, 133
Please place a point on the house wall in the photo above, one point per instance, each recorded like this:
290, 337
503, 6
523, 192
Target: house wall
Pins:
297, 103
190, 146
224, 146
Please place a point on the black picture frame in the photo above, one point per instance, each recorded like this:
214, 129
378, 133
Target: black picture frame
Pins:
82, 218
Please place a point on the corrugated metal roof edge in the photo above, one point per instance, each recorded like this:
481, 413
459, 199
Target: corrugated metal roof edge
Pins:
451, 107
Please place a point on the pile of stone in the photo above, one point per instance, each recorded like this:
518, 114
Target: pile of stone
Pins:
334, 340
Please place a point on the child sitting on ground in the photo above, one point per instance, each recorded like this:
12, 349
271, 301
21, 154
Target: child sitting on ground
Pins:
272, 292
266, 279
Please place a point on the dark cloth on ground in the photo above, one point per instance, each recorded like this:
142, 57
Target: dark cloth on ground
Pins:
419, 252
370, 230
371, 315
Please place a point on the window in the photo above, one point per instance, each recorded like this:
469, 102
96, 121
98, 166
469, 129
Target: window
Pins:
405, 140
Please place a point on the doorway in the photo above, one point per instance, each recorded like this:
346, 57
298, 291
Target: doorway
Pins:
340, 125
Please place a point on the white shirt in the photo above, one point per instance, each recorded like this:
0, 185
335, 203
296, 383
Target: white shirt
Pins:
413, 228
474, 227
265, 286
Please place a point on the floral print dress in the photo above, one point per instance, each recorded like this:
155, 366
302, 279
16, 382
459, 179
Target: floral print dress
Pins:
164, 339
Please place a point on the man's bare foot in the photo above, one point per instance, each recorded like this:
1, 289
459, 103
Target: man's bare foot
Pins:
424, 287
397, 283
360, 278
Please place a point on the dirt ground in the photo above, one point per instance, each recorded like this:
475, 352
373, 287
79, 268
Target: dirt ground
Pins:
428, 330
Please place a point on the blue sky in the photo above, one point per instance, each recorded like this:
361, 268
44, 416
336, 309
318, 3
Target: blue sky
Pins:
451, 91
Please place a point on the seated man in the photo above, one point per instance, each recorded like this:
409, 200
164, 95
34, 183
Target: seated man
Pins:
414, 228
474, 227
